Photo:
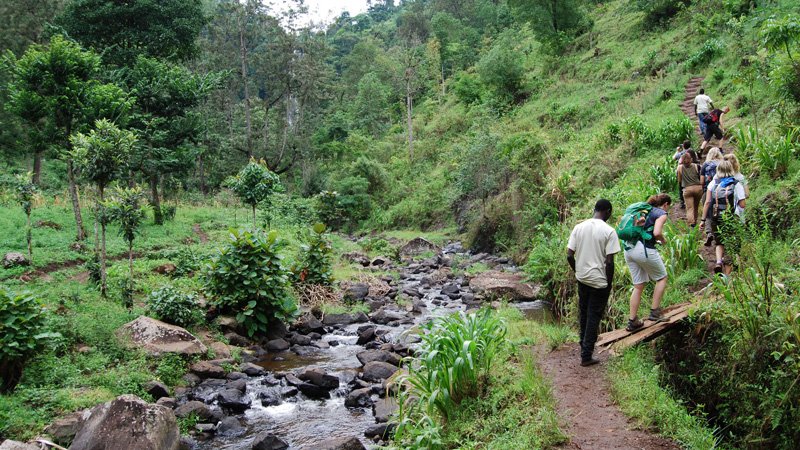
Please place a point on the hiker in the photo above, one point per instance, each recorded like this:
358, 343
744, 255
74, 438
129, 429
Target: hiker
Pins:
737, 170
709, 169
590, 252
686, 147
691, 187
725, 196
702, 106
643, 259
714, 127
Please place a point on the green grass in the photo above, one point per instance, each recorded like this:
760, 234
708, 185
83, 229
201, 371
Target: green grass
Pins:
345, 309
636, 386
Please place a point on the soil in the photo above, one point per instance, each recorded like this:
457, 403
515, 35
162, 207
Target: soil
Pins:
200, 233
584, 403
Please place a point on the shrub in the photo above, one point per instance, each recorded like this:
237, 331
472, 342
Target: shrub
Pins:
546, 265
665, 175
710, 49
255, 184
501, 69
329, 208
467, 88
173, 306
450, 365
774, 157
247, 279
316, 261
657, 12
23, 332
353, 201
681, 252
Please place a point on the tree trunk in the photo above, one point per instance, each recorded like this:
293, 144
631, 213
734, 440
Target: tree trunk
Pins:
409, 112
37, 167
29, 238
202, 175
254, 216
130, 260
247, 118
103, 286
155, 200
76, 205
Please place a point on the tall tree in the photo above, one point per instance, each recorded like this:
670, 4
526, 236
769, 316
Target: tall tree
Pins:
56, 91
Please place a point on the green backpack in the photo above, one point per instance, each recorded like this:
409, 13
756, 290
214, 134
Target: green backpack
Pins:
631, 225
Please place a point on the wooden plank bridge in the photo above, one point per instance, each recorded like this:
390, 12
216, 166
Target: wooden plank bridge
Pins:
618, 340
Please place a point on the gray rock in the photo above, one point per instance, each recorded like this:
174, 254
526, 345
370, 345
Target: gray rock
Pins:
358, 398
240, 385
300, 339
157, 389
495, 284
377, 371
191, 379
338, 319
383, 431
270, 398
277, 345
349, 443
13, 259
304, 350
16, 445
63, 430
252, 370
268, 441
418, 246
233, 376
383, 316
384, 408
292, 380
207, 369
319, 378
356, 292
323, 345
365, 334
130, 423
227, 322
156, 337
233, 399
187, 443
379, 261
309, 324
237, 339
313, 391
168, 402
230, 427
199, 409
289, 391
368, 356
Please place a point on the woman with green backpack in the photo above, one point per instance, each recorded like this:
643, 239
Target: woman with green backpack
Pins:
640, 229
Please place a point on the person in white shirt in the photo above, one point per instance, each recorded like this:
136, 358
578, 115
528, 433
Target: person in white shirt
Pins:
590, 252
725, 179
702, 106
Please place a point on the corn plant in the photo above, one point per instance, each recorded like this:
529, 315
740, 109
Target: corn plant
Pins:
665, 175
774, 157
681, 252
451, 364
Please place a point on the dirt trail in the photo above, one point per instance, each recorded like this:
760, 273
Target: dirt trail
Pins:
591, 418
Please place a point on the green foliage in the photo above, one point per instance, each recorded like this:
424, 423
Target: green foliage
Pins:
174, 306
329, 208
26, 191
780, 33
665, 176
23, 332
255, 184
708, 51
103, 153
316, 261
554, 22
775, 156
352, 202
657, 12
247, 279
467, 88
125, 209
502, 71
681, 253
451, 365
547, 265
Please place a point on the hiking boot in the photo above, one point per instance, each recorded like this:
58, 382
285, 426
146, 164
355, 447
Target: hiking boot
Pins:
718, 268
589, 362
634, 324
656, 316
709, 240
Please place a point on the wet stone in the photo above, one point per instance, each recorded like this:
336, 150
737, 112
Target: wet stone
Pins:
304, 350
230, 427
277, 345
365, 334
349, 443
199, 409
240, 385
384, 408
233, 399
157, 389
377, 371
289, 391
358, 398
300, 339
236, 376
206, 369
383, 431
251, 369
292, 380
313, 391
268, 441
168, 402
270, 398
319, 378
237, 339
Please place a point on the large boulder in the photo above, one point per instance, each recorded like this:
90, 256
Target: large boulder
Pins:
494, 284
63, 430
348, 443
157, 337
233, 399
418, 246
268, 441
16, 445
367, 356
356, 292
358, 398
131, 423
319, 378
194, 407
377, 371
207, 369
13, 259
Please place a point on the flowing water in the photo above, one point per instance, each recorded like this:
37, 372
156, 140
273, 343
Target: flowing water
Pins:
304, 423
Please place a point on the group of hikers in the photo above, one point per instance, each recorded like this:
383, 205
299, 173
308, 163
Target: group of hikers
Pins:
717, 184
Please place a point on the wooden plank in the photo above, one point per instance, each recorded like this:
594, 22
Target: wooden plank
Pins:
615, 335
650, 333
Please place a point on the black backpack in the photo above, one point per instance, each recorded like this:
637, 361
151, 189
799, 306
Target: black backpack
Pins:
712, 117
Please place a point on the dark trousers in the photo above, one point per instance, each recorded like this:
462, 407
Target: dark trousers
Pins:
592, 303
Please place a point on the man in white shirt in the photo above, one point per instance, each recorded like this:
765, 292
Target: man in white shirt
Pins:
702, 106
590, 252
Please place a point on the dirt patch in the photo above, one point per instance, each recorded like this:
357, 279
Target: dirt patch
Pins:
200, 233
80, 277
591, 418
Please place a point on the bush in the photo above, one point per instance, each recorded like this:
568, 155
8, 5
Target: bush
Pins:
353, 201
467, 88
665, 175
247, 279
316, 260
23, 332
173, 306
502, 71
773, 157
657, 12
329, 209
710, 49
451, 364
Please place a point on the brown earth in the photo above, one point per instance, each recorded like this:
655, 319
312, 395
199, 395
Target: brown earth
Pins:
584, 403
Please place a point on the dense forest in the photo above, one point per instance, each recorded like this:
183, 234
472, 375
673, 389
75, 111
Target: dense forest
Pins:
234, 169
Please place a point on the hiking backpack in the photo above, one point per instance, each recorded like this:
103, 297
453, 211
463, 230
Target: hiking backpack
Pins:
723, 197
712, 117
631, 225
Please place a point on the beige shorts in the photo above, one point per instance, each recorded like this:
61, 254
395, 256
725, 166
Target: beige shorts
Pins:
644, 268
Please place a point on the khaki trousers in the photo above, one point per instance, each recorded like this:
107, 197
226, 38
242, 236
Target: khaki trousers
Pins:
692, 195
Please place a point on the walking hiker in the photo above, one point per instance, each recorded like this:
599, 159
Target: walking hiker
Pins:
686, 147
714, 127
645, 220
691, 187
709, 169
702, 106
725, 197
590, 252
